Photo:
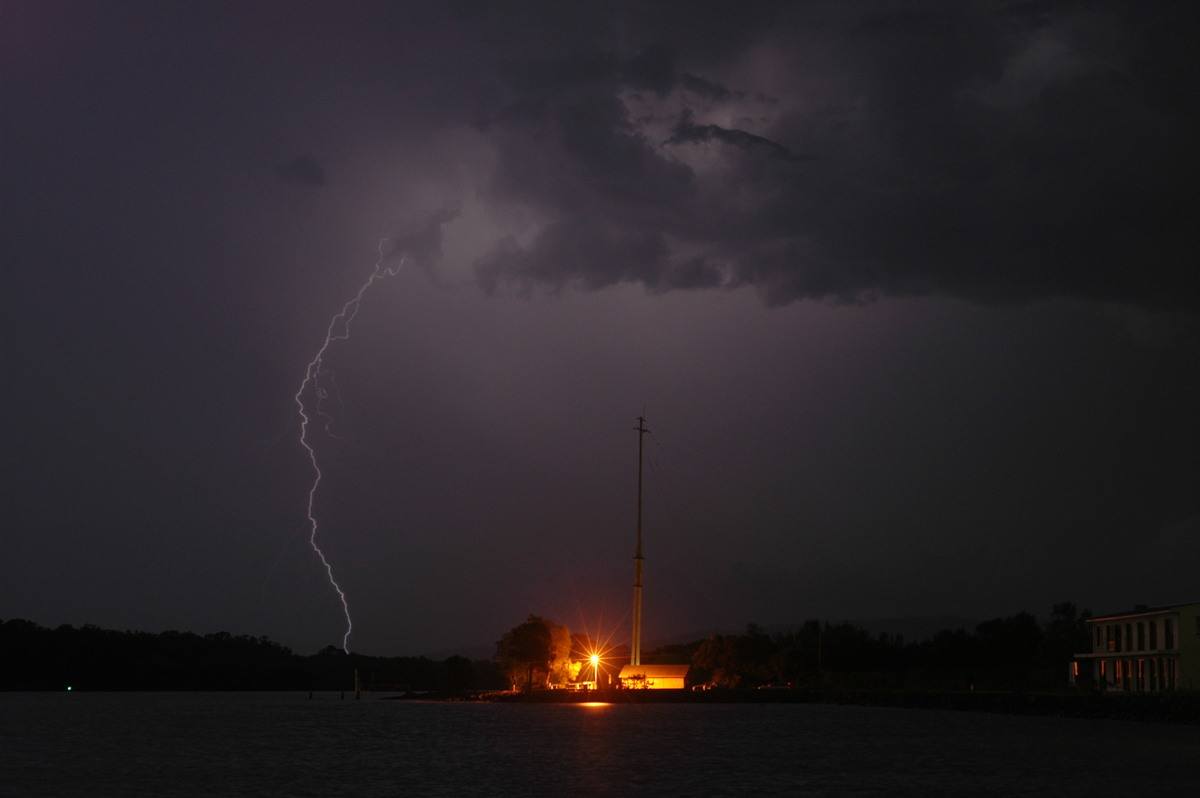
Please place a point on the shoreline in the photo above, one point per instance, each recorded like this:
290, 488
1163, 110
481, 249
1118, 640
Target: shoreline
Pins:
1176, 707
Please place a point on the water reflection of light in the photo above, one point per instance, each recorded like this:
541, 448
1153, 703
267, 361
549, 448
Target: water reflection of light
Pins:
594, 704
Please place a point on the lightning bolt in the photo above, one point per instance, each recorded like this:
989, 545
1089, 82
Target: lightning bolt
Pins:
338, 330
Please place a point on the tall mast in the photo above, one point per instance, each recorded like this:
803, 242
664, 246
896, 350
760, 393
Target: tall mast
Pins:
635, 646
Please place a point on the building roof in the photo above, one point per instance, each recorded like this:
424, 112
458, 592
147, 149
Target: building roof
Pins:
655, 671
1141, 611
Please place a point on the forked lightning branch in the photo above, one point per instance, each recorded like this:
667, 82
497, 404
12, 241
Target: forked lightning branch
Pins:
313, 392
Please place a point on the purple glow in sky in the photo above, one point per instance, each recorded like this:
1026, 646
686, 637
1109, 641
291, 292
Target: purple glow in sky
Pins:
906, 291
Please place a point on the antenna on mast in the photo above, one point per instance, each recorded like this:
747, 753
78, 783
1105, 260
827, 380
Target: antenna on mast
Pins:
635, 645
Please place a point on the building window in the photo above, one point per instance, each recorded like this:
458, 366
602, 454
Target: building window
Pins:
1169, 632
1099, 644
1153, 635
1129, 637
1141, 633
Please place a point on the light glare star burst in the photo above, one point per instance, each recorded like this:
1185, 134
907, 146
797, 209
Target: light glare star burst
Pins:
339, 330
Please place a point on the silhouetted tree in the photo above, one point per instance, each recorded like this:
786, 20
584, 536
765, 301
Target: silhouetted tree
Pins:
714, 661
733, 661
1008, 650
536, 645
458, 672
1064, 636
332, 651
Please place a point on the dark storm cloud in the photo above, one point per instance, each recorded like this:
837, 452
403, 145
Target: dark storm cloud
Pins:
994, 153
922, 454
686, 130
424, 245
652, 70
704, 88
303, 170
589, 253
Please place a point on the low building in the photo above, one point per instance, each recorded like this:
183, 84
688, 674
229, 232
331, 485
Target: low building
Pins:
655, 677
1144, 651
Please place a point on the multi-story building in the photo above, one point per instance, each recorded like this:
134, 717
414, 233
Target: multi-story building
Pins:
1146, 650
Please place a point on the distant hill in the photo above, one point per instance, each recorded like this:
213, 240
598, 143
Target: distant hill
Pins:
470, 652
914, 629
91, 658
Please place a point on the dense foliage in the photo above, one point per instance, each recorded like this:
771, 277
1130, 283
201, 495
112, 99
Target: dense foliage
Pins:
536, 651
1013, 653
91, 658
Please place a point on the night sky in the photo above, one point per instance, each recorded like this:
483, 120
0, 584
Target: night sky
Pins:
907, 293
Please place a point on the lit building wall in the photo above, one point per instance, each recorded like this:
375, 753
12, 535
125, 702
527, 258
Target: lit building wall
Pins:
1145, 651
655, 677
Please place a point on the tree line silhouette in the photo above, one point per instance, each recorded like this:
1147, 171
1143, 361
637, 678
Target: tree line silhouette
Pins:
1016, 653
91, 658
1012, 653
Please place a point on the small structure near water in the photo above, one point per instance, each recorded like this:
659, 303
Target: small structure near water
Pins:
655, 677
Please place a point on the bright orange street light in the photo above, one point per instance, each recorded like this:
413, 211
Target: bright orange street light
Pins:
596, 670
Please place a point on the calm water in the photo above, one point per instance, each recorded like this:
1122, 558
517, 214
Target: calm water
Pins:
270, 744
